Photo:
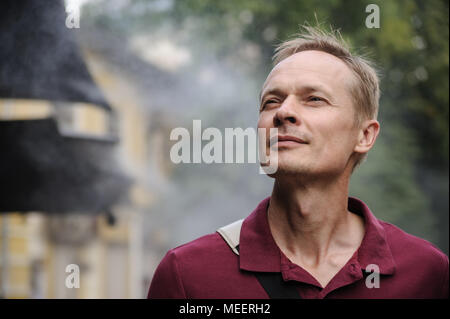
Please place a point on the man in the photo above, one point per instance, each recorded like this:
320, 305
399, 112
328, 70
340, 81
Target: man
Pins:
309, 239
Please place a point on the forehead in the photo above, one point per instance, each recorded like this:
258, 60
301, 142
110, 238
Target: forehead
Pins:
311, 68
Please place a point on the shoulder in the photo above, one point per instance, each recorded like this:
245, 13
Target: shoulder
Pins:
414, 249
195, 252
207, 245
191, 267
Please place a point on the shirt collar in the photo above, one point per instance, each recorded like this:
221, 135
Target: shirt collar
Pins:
259, 252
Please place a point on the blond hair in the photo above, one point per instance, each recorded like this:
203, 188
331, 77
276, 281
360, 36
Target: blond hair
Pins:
365, 92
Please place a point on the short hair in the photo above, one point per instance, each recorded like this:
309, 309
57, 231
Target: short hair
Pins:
365, 92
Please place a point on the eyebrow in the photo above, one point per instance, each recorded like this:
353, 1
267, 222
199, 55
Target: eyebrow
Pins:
274, 91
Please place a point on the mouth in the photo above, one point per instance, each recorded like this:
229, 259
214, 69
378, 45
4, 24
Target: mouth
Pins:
286, 140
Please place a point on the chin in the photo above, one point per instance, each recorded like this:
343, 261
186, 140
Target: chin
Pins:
290, 168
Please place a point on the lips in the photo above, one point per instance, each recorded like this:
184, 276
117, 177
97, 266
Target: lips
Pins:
290, 138
286, 140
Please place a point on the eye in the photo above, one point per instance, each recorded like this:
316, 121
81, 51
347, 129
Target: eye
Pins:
268, 102
316, 100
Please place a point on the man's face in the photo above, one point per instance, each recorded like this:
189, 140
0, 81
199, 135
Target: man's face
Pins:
307, 97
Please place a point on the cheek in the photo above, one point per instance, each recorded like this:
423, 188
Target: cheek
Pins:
264, 125
265, 122
337, 138
260, 123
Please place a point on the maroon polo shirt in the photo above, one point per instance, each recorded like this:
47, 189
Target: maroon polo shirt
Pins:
409, 267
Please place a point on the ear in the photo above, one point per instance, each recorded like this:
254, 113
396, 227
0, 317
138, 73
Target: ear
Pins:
367, 136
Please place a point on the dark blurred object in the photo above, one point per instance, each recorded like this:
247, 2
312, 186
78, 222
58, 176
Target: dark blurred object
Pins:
39, 57
40, 169
110, 218
43, 171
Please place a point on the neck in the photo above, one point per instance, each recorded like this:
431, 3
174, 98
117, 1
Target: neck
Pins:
310, 221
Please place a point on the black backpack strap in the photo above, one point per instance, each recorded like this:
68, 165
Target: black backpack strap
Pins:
272, 283
275, 286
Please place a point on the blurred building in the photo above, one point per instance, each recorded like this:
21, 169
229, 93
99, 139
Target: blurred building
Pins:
103, 237
108, 246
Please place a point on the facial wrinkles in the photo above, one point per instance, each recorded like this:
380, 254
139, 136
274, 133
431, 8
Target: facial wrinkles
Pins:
322, 69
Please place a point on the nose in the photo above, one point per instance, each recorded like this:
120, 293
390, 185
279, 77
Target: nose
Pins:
286, 113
